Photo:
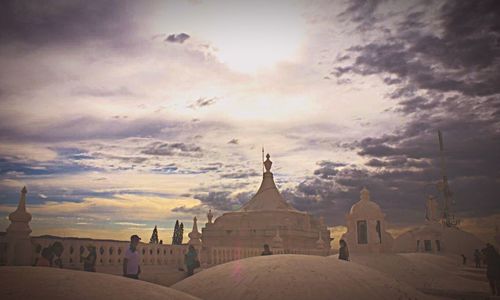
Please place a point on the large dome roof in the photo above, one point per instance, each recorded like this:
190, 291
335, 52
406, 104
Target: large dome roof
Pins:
294, 277
437, 274
39, 283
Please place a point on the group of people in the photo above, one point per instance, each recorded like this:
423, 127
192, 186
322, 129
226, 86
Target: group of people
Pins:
50, 256
490, 257
131, 262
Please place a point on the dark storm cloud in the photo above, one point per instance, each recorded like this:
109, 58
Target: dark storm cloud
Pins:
128, 160
465, 58
416, 104
87, 127
39, 194
177, 38
48, 22
83, 128
339, 71
223, 200
239, 174
202, 102
327, 169
447, 82
198, 210
172, 149
361, 12
13, 167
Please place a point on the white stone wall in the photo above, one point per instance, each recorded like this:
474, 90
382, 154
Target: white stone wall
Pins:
220, 255
111, 253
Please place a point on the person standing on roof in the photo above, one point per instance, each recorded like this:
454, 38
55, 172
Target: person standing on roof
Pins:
131, 267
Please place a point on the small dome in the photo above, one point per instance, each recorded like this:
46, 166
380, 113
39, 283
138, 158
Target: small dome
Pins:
363, 208
40, 283
366, 207
294, 277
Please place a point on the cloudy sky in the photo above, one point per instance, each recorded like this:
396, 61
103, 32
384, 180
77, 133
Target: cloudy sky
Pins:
119, 115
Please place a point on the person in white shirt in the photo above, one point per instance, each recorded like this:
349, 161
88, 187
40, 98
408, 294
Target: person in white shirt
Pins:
131, 267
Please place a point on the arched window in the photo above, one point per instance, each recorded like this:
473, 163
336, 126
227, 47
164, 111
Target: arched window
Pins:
438, 245
362, 232
379, 231
427, 245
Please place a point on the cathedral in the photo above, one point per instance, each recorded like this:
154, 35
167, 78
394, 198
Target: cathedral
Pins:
267, 219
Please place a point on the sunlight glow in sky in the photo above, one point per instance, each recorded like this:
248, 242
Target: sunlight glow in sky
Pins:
115, 114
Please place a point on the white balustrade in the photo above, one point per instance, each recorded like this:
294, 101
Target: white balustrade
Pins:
220, 255
111, 253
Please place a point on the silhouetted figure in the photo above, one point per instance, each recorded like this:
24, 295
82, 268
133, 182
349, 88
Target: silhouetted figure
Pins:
477, 258
131, 267
343, 250
483, 256
38, 251
266, 251
45, 259
191, 260
57, 250
90, 260
493, 268
464, 259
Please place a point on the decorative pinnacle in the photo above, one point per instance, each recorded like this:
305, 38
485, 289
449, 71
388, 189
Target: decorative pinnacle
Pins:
194, 234
268, 163
20, 214
365, 194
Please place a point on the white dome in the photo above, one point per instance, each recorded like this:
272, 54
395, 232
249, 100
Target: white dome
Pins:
39, 283
365, 207
442, 274
294, 277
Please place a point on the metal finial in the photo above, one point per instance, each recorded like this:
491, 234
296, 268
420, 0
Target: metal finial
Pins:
268, 163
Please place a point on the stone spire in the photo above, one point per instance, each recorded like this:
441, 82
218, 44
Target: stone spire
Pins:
19, 247
267, 197
194, 235
277, 240
20, 218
